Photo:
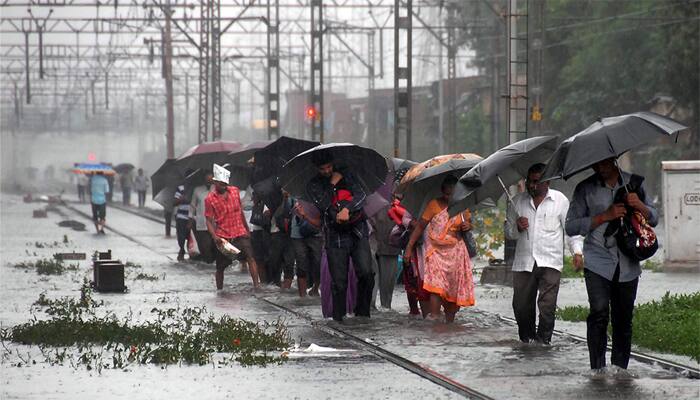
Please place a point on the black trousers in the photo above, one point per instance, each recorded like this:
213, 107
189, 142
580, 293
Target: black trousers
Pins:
183, 232
526, 286
206, 246
338, 259
168, 221
281, 259
614, 301
126, 196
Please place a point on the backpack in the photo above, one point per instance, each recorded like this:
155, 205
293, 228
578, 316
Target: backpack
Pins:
635, 237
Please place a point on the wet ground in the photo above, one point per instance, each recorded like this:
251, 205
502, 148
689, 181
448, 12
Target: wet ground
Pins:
479, 351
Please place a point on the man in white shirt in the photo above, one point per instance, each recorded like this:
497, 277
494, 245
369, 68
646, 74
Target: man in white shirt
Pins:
537, 222
205, 244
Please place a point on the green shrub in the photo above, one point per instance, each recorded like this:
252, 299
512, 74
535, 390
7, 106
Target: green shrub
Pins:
102, 340
670, 325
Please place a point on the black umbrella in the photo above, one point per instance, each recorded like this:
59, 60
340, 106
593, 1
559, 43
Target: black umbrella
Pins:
399, 164
368, 167
123, 168
270, 159
205, 155
490, 178
607, 138
244, 156
427, 184
168, 175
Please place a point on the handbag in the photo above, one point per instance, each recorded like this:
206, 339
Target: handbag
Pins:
258, 217
469, 240
635, 237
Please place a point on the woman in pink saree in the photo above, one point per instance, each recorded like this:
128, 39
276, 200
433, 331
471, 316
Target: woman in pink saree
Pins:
447, 268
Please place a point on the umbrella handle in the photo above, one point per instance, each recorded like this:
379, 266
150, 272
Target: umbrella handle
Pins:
512, 204
622, 178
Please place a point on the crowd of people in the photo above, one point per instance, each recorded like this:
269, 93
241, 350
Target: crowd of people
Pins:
360, 255
97, 188
338, 252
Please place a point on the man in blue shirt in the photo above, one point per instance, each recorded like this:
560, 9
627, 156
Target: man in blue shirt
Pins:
611, 276
99, 187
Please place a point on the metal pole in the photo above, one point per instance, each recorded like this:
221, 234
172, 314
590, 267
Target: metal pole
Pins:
41, 52
203, 120
168, 52
107, 90
92, 96
441, 105
215, 70
27, 85
403, 76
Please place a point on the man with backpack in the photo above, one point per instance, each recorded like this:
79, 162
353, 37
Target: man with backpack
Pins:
611, 275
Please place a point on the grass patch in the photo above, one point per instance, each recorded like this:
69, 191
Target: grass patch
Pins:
668, 325
568, 270
653, 266
130, 264
145, 277
572, 313
47, 266
81, 332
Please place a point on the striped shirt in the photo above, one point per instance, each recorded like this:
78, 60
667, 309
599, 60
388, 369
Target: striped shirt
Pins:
182, 210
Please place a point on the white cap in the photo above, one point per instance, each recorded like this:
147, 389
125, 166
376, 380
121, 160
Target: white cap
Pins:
221, 174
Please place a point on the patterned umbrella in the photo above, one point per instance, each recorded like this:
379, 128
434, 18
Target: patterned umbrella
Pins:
84, 168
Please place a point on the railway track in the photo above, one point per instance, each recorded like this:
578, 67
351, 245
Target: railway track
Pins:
420, 370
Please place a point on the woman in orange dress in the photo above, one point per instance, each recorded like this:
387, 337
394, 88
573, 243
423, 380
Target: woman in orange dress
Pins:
447, 272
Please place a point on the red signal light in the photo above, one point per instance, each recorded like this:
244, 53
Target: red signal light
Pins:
310, 112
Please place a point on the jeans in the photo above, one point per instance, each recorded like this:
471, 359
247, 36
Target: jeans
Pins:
614, 301
338, 259
142, 198
525, 288
307, 252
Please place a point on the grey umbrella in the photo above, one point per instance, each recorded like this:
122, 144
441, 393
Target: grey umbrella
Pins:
368, 167
490, 177
427, 184
607, 138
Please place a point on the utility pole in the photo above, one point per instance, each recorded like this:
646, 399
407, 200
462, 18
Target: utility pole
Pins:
272, 75
451, 76
370, 114
215, 6
168, 52
517, 37
316, 96
106, 90
27, 85
203, 120
441, 103
403, 99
